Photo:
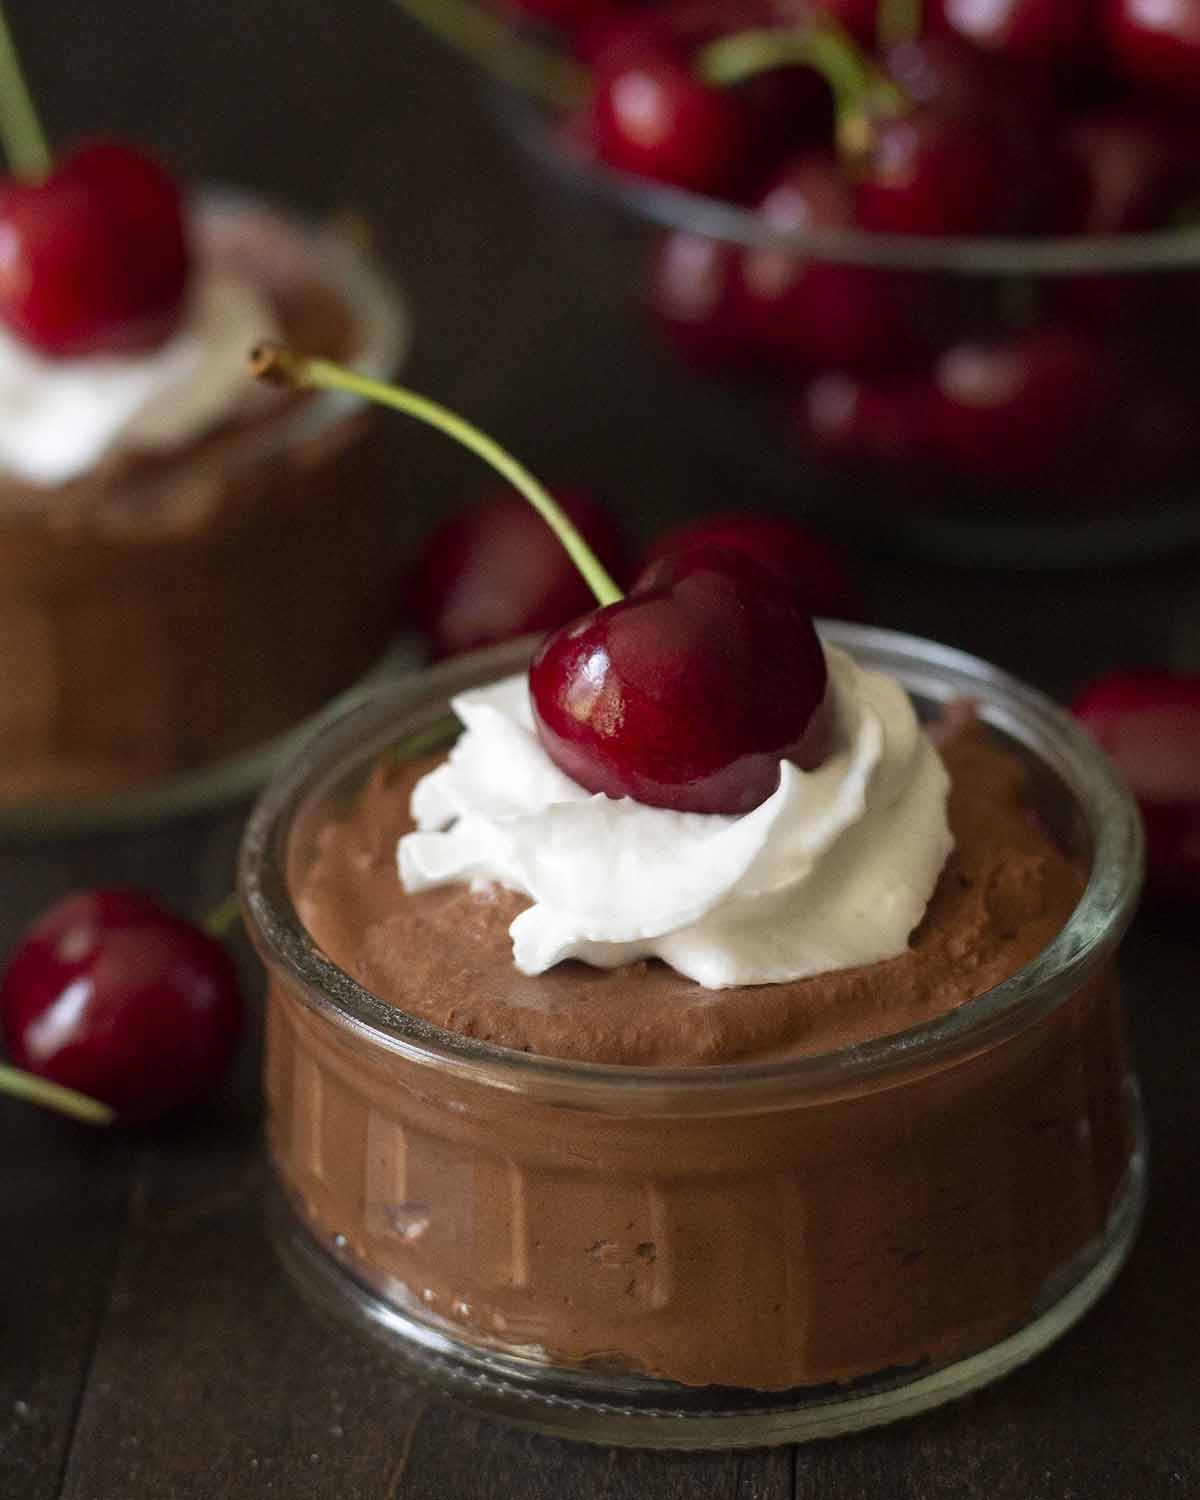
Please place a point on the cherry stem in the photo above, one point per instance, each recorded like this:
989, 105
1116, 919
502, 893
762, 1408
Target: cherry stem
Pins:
24, 140
224, 917
859, 88
22, 1085
493, 44
284, 367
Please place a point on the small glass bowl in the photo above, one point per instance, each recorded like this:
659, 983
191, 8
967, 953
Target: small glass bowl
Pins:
598, 1251
132, 648
1107, 477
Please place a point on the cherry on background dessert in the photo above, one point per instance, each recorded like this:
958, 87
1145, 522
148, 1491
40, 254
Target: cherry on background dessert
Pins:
497, 572
166, 529
95, 256
113, 997
1149, 722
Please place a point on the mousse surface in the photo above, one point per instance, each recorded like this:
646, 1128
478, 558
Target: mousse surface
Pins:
445, 955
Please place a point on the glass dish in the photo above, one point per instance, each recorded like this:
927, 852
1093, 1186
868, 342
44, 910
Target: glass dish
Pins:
1111, 478
442, 1193
135, 630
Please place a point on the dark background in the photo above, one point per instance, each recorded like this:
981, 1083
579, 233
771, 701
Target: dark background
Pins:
148, 1346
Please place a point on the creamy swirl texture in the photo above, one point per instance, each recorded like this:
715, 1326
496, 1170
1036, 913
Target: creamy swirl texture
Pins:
59, 417
834, 870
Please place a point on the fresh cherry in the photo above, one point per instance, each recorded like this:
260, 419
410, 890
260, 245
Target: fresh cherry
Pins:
859, 18
1136, 167
1149, 722
1156, 43
497, 572
809, 312
878, 423
688, 693
1028, 31
814, 567
651, 116
94, 259
692, 297
924, 173
1022, 409
113, 996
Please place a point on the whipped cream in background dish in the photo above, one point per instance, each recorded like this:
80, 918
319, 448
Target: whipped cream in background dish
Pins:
833, 871
60, 417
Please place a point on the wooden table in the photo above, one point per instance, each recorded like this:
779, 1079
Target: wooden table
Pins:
149, 1346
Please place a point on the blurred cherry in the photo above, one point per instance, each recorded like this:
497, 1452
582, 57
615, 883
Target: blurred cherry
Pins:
814, 566
1149, 722
497, 572
1156, 43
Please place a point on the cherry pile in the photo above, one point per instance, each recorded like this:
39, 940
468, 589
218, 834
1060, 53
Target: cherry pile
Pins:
1022, 117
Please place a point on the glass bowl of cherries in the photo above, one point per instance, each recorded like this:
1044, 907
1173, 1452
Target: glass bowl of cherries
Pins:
941, 258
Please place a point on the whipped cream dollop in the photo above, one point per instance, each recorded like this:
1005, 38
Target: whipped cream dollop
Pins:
834, 870
60, 417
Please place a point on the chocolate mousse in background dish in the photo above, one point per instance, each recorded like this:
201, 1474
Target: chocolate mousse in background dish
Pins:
189, 566
650, 1124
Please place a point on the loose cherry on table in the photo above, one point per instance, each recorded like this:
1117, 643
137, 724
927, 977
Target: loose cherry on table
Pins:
497, 572
94, 258
814, 567
112, 996
1149, 722
688, 693
881, 423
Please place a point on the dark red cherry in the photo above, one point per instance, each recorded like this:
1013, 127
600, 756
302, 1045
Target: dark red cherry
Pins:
1025, 408
650, 115
94, 260
1028, 31
811, 312
1136, 167
497, 572
815, 568
1149, 722
113, 996
692, 297
925, 173
688, 693
1156, 43
881, 422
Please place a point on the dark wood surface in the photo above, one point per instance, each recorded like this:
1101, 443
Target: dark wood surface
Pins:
149, 1345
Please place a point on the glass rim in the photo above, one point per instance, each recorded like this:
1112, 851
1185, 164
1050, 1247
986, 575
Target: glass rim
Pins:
1139, 253
381, 311
1087, 939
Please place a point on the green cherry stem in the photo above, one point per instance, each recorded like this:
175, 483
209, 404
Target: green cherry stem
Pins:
284, 367
224, 917
21, 1085
24, 141
859, 88
494, 45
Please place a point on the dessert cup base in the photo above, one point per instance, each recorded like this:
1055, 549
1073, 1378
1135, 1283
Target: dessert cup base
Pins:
234, 779
638, 1412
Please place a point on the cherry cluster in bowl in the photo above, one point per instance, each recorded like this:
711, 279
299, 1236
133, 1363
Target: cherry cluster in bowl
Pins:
1031, 118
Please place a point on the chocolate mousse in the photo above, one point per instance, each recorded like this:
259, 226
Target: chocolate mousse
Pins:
446, 955
167, 608
756, 1234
